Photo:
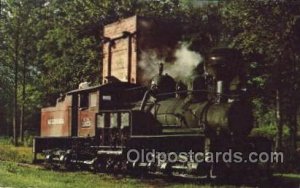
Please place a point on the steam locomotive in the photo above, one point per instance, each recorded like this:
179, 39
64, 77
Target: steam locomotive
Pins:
211, 114
115, 126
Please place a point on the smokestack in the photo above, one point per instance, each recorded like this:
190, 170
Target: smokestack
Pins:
161, 69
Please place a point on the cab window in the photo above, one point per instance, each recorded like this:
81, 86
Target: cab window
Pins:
113, 120
84, 100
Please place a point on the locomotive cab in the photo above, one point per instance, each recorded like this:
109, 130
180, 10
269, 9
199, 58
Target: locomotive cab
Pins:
114, 127
75, 117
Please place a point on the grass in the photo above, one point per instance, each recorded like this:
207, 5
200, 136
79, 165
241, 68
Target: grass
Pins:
13, 175
16, 154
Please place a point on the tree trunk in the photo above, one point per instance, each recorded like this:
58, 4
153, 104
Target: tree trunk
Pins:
23, 101
278, 146
294, 106
15, 111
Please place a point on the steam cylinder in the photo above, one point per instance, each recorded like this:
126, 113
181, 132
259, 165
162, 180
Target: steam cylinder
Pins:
234, 118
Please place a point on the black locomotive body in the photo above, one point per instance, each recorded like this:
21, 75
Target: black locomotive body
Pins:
129, 123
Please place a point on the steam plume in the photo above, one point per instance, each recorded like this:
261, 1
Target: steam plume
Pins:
180, 69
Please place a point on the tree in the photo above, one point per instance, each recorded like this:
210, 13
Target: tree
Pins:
19, 50
12, 42
264, 28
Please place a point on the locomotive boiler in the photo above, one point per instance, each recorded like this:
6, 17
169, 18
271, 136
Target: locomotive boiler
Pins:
115, 126
211, 101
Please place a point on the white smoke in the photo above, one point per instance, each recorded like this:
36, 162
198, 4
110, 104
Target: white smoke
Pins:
180, 69
149, 64
185, 63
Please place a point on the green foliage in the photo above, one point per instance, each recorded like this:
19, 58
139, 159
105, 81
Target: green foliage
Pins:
270, 131
5, 140
266, 31
28, 139
68, 57
19, 154
265, 28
